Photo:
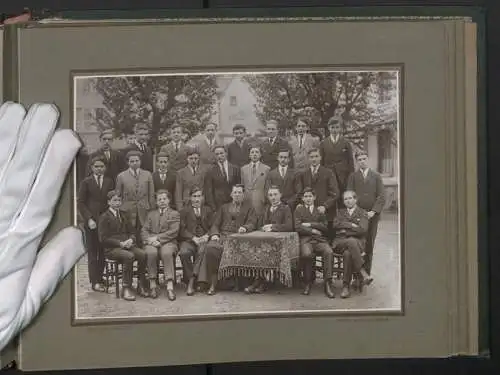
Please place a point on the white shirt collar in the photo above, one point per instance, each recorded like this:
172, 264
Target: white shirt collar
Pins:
365, 171
351, 210
113, 211
314, 168
334, 137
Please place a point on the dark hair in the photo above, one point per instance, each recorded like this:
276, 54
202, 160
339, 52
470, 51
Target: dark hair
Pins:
254, 145
303, 120
313, 150
239, 127
163, 191
350, 192
193, 150
284, 150
211, 123
133, 153
96, 159
106, 131
195, 189
309, 190
175, 126
361, 153
274, 187
334, 120
239, 186
113, 193
272, 122
141, 126
219, 146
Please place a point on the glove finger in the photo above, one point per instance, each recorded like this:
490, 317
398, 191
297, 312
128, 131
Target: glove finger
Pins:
52, 264
39, 208
11, 118
35, 134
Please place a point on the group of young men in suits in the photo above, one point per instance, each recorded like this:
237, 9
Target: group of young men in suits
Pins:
202, 190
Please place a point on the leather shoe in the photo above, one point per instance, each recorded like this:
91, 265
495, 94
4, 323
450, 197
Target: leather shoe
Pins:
97, 287
190, 288
329, 289
127, 294
307, 290
171, 295
346, 293
211, 291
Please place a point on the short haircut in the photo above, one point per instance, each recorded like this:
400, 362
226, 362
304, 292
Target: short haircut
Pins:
239, 186
95, 159
284, 150
309, 190
195, 189
106, 132
361, 153
192, 151
313, 150
161, 155
336, 119
274, 187
163, 191
211, 123
252, 146
176, 125
350, 192
132, 153
272, 122
113, 193
303, 120
141, 126
239, 127
218, 146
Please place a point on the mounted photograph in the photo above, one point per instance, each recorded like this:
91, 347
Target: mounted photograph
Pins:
220, 195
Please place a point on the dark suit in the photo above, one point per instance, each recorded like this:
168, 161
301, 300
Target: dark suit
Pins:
350, 232
193, 226
113, 230
280, 219
114, 164
338, 157
289, 185
228, 220
165, 227
371, 197
167, 184
238, 154
147, 159
324, 184
92, 202
218, 187
312, 243
270, 152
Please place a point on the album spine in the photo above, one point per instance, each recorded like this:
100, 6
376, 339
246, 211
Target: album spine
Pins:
10, 69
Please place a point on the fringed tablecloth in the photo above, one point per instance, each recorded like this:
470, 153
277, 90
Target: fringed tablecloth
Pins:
269, 255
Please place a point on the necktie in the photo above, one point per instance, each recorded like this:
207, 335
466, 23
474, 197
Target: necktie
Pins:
106, 153
223, 171
311, 208
119, 216
254, 170
282, 172
271, 140
176, 147
162, 177
300, 141
197, 212
194, 171
100, 182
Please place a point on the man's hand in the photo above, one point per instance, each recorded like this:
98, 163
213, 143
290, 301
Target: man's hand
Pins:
354, 225
321, 209
215, 237
267, 228
34, 162
370, 214
307, 225
242, 230
91, 224
315, 231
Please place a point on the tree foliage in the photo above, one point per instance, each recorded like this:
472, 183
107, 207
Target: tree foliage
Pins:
157, 101
359, 97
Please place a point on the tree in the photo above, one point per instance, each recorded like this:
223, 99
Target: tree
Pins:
359, 97
157, 101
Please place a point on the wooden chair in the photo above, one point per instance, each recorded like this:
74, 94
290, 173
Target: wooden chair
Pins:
113, 273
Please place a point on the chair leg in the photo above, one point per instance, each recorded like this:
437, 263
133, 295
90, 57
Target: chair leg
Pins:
117, 279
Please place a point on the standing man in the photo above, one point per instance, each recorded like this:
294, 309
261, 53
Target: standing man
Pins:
176, 149
369, 188
311, 225
220, 180
163, 177
159, 236
193, 174
285, 178
196, 220
323, 182
112, 158
351, 226
272, 145
136, 188
141, 132
238, 150
92, 202
337, 154
206, 142
301, 143
253, 178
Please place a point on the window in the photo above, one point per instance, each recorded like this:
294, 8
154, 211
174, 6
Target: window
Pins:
99, 113
232, 101
386, 151
88, 115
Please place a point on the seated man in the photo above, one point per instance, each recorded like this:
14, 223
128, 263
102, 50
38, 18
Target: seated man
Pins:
351, 226
277, 217
117, 237
196, 220
235, 217
159, 235
312, 227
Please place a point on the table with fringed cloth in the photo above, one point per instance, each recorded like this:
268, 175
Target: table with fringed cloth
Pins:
270, 255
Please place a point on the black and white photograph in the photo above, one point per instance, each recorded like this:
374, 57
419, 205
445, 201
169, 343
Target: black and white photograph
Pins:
238, 194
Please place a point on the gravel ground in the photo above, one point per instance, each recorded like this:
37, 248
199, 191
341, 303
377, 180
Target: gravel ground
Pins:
384, 293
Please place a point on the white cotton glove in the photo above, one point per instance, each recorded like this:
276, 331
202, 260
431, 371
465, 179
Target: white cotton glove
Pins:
34, 161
